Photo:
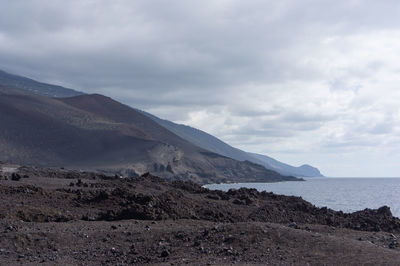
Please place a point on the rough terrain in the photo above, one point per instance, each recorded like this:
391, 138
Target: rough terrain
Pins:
62, 217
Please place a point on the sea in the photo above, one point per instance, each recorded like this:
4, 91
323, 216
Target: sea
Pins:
344, 194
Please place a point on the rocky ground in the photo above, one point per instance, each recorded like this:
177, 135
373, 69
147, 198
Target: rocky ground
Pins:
61, 217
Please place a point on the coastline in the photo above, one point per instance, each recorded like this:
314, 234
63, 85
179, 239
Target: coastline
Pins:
60, 217
340, 194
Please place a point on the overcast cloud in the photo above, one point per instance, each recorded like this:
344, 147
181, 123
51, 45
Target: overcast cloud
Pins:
308, 81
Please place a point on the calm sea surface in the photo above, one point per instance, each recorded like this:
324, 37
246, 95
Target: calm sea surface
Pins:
345, 194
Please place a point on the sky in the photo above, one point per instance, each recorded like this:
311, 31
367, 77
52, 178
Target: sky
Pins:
311, 81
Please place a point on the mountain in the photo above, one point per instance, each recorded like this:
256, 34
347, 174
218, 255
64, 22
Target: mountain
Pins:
203, 139
36, 87
97, 132
192, 135
285, 169
211, 143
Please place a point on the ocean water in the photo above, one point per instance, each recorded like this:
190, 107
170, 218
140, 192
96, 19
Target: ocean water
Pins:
345, 194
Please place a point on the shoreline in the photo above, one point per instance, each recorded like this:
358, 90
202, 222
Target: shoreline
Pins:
58, 217
347, 202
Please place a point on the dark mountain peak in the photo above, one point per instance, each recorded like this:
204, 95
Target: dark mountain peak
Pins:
36, 87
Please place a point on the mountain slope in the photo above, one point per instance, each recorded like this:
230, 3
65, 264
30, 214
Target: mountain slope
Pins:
36, 87
285, 169
211, 143
44, 131
94, 131
202, 139
192, 135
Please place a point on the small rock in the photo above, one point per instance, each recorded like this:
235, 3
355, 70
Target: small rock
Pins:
164, 254
3, 251
15, 177
196, 243
238, 202
393, 244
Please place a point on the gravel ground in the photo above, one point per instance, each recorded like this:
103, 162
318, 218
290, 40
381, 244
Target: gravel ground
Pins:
61, 217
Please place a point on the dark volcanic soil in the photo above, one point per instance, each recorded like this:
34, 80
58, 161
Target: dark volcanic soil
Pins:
60, 217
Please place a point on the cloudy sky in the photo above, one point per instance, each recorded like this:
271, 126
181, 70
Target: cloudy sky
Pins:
308, 81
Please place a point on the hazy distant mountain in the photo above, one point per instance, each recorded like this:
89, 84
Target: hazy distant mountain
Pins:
211, 143
286, 169
36, 87
94, 131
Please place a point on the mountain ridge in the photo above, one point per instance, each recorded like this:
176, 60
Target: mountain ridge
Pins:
209, 142
96, 132
15, 84
36, 87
